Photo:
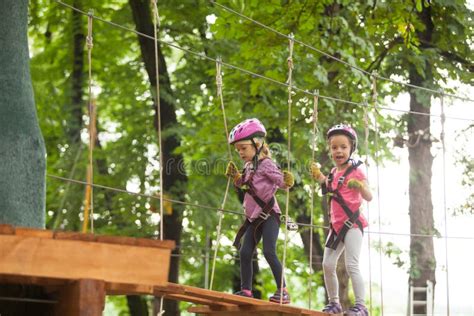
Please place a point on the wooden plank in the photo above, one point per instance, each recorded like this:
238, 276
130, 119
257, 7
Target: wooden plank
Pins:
72, 259
33, 232
146, 242
195, 300
270, 309
210, 295
118, 240
6, 229
235, 311
128, 289
32, 280
74, 236
82, 297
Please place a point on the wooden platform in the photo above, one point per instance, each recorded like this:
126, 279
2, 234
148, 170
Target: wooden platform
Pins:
77, 270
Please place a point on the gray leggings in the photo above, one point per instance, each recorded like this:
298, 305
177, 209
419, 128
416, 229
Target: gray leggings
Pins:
269, 230
352, 244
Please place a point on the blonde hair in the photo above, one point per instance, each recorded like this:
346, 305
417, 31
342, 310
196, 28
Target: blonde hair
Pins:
265, 152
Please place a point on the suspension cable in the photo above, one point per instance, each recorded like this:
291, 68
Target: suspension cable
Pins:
443, 143
253, 74
333, 57
366, 143
202, 206
290, 92
377, 148
314, 147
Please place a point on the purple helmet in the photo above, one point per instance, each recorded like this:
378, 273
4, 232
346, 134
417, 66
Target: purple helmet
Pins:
342, 129
247, 129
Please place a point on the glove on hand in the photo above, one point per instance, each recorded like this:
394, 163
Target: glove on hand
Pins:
355, 184
232, 171
288, 179
315, 171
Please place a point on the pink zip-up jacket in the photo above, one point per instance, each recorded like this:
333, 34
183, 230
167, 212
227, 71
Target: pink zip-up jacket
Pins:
266, 180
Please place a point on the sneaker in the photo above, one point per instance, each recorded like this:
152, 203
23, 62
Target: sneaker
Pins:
244, 292
275, 298
357, 310
333, 308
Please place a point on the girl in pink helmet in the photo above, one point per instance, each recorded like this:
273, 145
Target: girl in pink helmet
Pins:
347, 186
259, 180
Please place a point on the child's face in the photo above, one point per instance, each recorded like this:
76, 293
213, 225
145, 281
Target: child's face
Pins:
340, 149
246, 150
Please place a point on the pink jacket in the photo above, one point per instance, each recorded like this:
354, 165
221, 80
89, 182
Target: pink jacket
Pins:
266, 181
352, 197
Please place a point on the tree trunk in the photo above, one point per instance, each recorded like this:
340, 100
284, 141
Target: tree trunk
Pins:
22, 151
137, 305
77, 77
423, 263
173, 180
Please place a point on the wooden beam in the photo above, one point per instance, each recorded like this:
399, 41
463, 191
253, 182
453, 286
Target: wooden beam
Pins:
215, 296
82, 297
75, 259
259, 310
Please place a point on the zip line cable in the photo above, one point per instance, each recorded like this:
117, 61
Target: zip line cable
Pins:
201, 206
335, 58
253, 74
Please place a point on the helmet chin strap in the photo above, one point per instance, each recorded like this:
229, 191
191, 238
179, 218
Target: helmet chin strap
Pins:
257, 153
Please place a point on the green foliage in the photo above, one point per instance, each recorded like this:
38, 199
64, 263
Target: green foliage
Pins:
360, 33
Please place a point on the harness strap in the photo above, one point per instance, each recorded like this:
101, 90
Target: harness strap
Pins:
266, 212
352, 217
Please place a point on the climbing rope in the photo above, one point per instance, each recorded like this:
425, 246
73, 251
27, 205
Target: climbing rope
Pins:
377, 169
89, 194
229, 152
290, 92
314, 147
443, 143
366, 143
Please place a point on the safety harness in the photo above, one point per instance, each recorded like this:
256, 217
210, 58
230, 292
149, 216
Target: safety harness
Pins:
334, 194
267, 211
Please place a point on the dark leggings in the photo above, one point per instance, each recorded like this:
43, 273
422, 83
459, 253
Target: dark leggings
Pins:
269, 230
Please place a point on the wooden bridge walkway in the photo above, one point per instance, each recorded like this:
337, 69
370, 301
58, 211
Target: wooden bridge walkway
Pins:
76, 271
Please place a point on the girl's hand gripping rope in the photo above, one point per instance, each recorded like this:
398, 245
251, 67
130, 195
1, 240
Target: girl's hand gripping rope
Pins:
316, 173
232, 171
288, 179
355, 184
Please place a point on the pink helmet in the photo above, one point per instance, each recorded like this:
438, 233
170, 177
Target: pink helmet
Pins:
247, 129
343, 129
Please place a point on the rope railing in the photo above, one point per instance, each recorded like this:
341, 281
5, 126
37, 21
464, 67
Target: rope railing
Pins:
339, 60
239, 213
253, 74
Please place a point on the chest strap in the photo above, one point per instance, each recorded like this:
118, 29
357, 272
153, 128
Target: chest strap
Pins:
352, 217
